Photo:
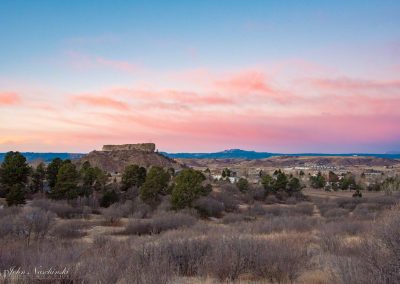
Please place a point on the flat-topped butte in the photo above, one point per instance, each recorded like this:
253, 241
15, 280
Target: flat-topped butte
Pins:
145, 147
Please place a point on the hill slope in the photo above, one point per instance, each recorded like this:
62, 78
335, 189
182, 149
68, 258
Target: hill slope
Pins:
117, 160
291, 161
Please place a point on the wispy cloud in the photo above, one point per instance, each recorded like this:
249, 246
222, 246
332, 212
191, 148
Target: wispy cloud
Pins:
221, 110
98, 101
9, 98
345, 83
86, 62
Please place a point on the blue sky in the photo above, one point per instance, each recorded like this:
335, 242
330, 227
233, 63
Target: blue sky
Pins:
70, 56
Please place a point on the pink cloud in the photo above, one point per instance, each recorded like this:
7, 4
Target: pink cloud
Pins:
97, 101
248, 81
173, 98
221, 111
9, 98
345, 83
253, 84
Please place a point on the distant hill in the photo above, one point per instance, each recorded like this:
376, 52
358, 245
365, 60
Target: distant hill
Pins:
46, 157
292, 161
227, 154
252, 155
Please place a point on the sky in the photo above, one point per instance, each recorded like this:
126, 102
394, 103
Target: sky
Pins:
200, 76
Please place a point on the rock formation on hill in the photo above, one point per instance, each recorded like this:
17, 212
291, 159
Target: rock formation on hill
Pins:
145, 147
114, 158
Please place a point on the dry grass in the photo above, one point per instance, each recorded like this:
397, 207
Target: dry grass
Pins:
328, 240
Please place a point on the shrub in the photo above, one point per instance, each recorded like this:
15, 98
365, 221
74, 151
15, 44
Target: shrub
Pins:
281, 259
233, 218
367, 211
377, 256
274, 210
141, 209
160, 223
69, 230
229, 201
336, 213
349, 203
258, 193
171, 221
61, 208
242, 184
282, 224
28, 224
256, 210
344, 227
304, 209
271, 199
138, 227
113, 214
108, 198
209, 207
36, 222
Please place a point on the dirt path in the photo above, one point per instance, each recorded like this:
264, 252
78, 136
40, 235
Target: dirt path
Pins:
317, 212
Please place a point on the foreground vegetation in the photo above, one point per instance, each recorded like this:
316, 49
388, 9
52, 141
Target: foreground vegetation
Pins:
158, 226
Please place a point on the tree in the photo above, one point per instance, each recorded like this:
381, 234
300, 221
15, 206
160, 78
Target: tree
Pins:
226, 173
357, 193
133, 175
108, 198
38, 176
188, 186
293, 185
242, 184
267, 182
156, 183
14, 170
52, 171
317, 181
281, 181
16, 195
14, 173
91, 179
67, 183
348, 182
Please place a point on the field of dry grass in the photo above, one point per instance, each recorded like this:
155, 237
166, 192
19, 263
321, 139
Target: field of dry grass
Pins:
326, 237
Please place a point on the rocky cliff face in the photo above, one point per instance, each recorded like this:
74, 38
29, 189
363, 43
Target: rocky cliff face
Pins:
114, 158
145, 147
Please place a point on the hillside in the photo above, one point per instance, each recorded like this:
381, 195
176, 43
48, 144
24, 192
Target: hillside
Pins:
253, 155
116, 160
291, 161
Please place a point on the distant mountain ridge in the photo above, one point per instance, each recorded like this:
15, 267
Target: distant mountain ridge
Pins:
46, 157
252, 155
226, 154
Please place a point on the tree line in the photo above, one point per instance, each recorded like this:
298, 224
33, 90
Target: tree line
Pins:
62, 179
